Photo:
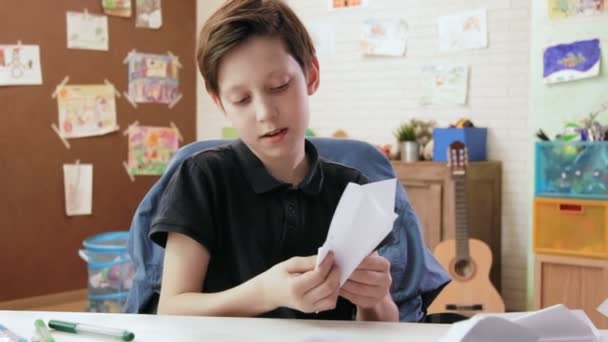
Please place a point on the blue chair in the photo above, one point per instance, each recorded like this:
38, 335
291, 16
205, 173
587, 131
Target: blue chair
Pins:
417, 276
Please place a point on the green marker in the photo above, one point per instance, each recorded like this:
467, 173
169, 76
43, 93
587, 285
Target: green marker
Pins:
44, 333
79, 328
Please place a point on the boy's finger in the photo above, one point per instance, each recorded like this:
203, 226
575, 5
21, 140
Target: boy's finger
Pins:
315, 277
300, 264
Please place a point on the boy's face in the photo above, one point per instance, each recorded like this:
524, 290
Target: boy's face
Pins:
264, 93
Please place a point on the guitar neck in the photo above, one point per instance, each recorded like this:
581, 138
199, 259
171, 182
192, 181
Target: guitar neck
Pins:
462, 230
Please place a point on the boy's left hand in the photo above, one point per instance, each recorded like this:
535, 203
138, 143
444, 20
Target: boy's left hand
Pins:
370, 283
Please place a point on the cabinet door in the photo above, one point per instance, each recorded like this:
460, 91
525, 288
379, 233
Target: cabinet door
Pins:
425, 198
577, 283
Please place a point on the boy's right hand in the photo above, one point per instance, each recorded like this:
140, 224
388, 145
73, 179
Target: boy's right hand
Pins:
297, 284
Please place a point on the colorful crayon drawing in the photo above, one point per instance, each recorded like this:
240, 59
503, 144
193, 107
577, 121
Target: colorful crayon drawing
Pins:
117, 8
338, 4
150, 149
570, 62
559, 9
86, 110
384, 37
463, 31
153, 78
444, 84
20, 65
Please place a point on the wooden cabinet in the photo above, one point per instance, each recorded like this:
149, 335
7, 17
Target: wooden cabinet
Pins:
430, 189
578, 283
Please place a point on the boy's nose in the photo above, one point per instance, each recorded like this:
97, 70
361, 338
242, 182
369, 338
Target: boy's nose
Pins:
266, 110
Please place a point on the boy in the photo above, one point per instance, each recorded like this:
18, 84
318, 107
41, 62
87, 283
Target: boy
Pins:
241, 223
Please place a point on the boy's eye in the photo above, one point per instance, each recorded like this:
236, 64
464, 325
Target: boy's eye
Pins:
241, 101
281, 87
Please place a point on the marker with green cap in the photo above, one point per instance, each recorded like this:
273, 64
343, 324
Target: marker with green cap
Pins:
44, 333
79, 328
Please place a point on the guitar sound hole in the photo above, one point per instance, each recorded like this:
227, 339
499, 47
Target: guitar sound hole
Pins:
463, 268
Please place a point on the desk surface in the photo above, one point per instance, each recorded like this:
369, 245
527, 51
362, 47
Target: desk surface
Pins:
151, 328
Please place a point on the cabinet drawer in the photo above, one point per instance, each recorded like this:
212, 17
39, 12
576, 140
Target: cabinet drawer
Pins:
571, 227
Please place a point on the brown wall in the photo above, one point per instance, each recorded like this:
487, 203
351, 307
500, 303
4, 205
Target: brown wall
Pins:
38, 242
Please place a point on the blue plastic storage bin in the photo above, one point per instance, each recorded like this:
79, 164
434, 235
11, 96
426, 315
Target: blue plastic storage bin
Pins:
474, 139
571, 169
110, 271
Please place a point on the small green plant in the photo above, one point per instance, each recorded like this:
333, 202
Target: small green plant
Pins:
406, 132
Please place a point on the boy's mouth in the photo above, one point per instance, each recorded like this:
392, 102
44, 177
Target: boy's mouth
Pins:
275, 135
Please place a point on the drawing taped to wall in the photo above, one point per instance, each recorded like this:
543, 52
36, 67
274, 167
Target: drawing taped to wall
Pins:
86, 110
153, 78
151, 148
444, 84
341, 4
572, 61
20, 65
385, 37
117, 8
559, 9
463, 31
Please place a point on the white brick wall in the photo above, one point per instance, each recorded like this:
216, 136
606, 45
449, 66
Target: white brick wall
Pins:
369, 97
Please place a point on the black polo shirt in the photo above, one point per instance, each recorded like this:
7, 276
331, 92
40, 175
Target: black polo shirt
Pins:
249, 221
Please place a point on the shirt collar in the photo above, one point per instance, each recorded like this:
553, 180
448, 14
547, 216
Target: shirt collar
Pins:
262, 181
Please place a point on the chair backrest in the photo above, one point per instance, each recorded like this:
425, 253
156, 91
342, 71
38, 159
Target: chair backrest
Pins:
417, 276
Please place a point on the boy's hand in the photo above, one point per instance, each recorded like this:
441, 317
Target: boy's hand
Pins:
297, 284
370, 283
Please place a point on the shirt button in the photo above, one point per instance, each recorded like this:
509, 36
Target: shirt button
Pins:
291, 210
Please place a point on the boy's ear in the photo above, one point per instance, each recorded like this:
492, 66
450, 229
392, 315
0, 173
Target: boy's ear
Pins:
216, 99
314, 76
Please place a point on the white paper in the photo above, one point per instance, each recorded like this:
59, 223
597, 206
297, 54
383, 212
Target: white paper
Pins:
20, 65
603, 308
78, 186
363, 218
87, 31
444, 84
463, 31
387, 37
552, 324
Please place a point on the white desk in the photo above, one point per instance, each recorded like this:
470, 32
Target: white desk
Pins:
152, 328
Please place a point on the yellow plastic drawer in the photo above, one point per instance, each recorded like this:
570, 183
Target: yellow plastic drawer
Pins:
571, 227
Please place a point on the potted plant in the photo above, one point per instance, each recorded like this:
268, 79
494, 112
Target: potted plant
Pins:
408, 144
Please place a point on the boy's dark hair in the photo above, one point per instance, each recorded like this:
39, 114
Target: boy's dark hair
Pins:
238, 20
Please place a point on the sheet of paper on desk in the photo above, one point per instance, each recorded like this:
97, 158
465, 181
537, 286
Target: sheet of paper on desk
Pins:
552, 324
363, 218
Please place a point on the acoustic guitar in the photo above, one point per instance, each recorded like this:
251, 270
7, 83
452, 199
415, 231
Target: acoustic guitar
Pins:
468, 261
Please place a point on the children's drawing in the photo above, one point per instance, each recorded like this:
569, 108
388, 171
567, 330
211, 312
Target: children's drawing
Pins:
339, 4
78, 188
151, 148
117, 8
386, 37
153, 78
20, 64
462, 31
559, 9
87, 31
148, 14
444, 84
574, 61
86, 110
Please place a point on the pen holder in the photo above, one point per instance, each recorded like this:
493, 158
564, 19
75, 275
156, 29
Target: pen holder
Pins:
110, 270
